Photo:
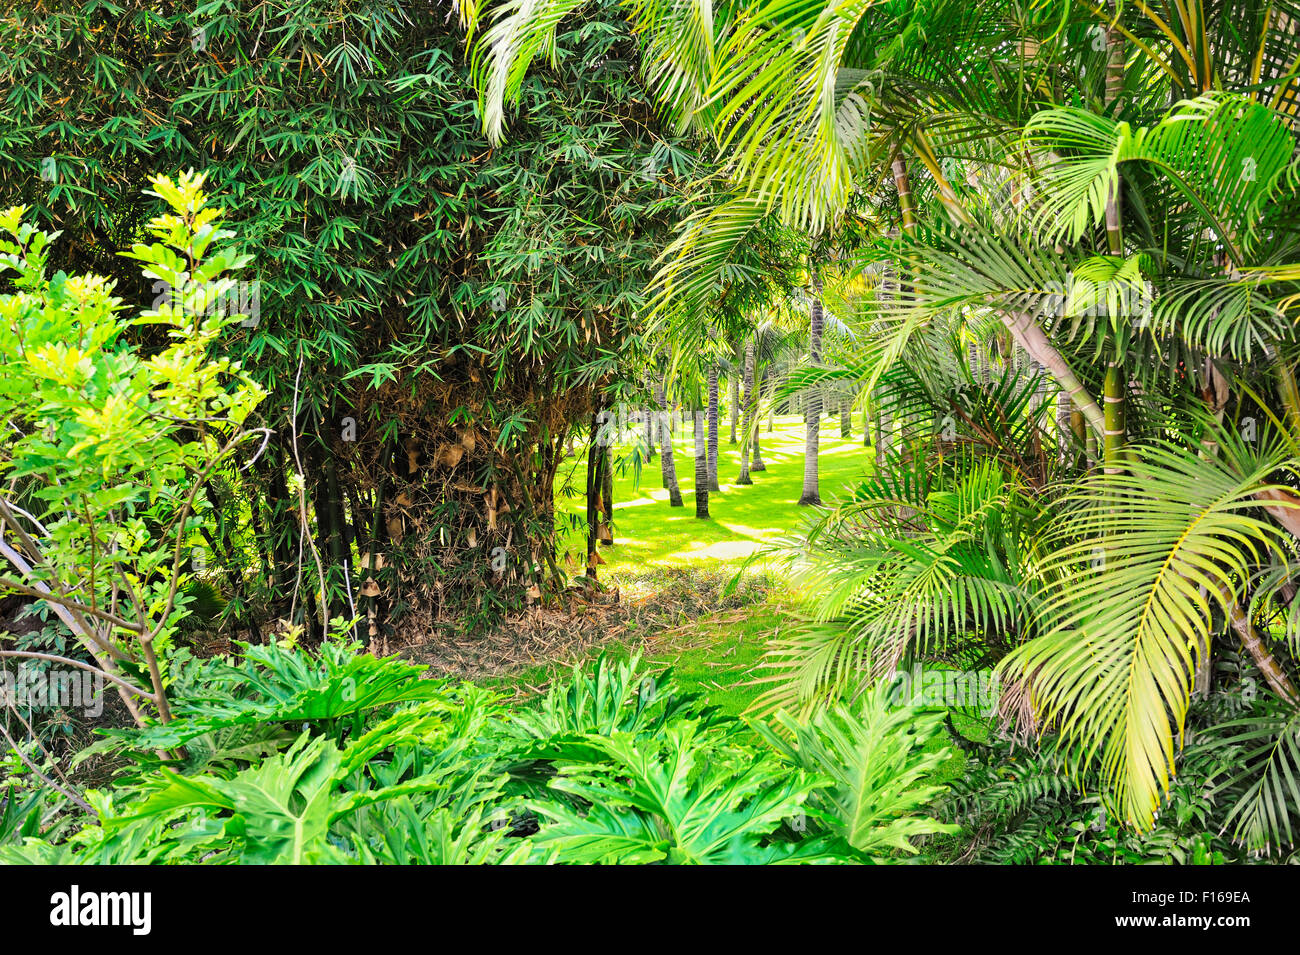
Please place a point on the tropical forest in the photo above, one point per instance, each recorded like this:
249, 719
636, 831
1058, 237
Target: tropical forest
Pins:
573, 432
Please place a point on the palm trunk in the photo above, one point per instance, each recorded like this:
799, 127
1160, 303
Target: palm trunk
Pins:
846, 419
903, 183
667, 466
1063, 434
766, 387
1033, 340
813, 401
650, 430
1273, 674
751, 407
713, 427
701, 468
760, 387
1114, 91
882, 436
593, 492
1114, 435
734, 403
607, 496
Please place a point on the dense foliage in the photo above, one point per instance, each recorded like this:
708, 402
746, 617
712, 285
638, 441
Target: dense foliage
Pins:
108, 448
330, 757
1051, 250
1100, 200
432, 314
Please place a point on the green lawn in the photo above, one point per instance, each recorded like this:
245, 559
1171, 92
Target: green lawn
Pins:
655, 545
743, 519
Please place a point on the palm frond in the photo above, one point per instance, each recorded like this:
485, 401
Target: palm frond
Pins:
1226, 155
1262, 780
1142, 557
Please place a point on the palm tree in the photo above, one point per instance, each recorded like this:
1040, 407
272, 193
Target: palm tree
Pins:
701, 467
1042, 169
733, 402
813, 400
751, 411
607, 496
651, 415
779, 335
713, 425
667, 466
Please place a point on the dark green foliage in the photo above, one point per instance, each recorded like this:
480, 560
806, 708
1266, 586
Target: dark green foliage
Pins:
462, 304
289, 756
21, 815
1020, 803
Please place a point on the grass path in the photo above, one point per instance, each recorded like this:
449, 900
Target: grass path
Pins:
718, 653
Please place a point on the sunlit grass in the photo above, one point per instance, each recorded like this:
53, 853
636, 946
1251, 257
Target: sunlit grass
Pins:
742, 519
716, 655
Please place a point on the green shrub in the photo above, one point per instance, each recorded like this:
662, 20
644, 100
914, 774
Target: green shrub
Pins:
109, 445
290, 756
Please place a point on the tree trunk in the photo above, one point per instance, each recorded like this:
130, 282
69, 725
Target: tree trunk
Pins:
607, 495
713, 427
812, 401
593, 492
759, 386
1114, 435
883, 431
1064, 436
667, 466
904, 186
751, 408
650, 432
1274, 675
701, 468
734, 382
846, 418
1033, 340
